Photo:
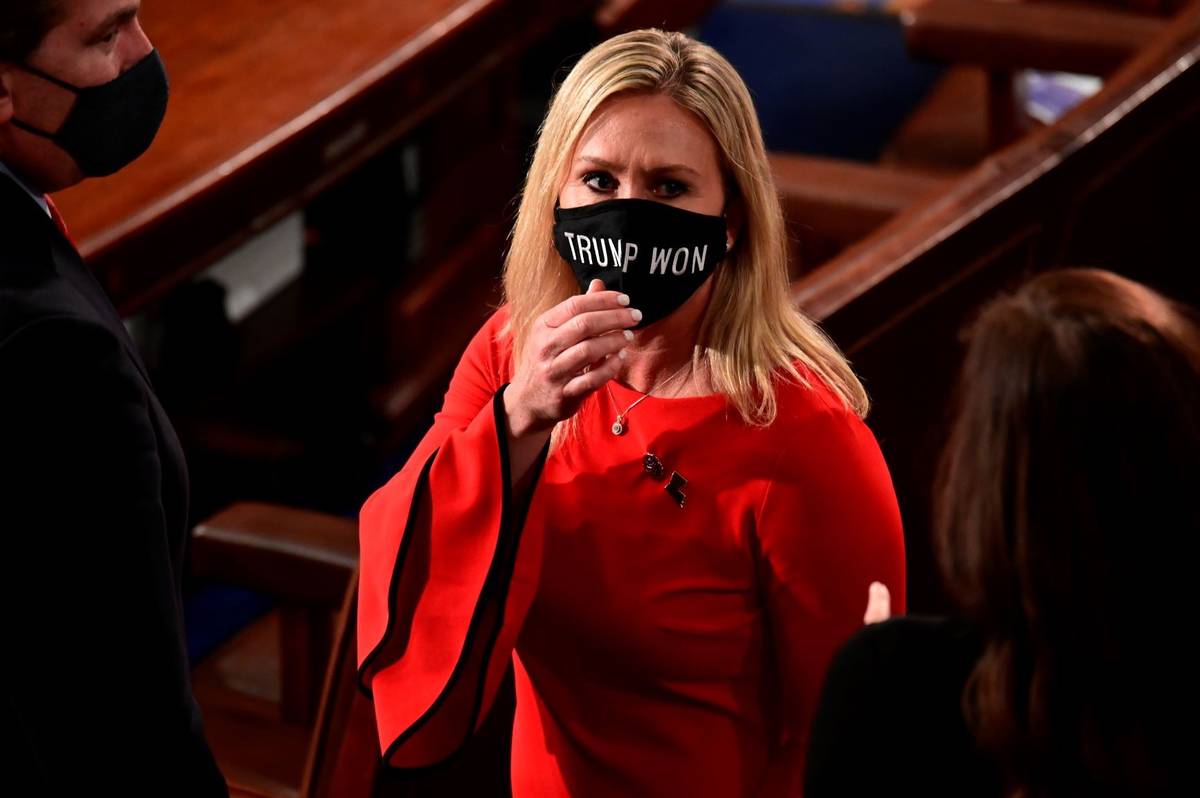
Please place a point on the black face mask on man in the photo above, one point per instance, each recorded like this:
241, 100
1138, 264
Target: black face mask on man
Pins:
110, 125
656, 253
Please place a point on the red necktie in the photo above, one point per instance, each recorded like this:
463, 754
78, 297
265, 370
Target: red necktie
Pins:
57, 218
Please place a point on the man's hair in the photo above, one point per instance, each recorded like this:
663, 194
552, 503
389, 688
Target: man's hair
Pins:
24, 24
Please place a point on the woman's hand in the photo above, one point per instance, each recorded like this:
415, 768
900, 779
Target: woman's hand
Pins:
575, 348
879, 603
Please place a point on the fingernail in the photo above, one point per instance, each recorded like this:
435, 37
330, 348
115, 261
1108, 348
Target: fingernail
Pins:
628, 335
621, 354
623, 299
637, 314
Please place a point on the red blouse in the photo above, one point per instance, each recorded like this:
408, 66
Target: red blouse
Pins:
659, 649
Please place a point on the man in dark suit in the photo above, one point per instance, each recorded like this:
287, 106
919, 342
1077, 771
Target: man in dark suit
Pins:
94, 686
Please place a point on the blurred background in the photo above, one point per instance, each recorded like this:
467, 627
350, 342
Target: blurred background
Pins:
320, 226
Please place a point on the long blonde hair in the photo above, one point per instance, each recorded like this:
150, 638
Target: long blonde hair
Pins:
751, 328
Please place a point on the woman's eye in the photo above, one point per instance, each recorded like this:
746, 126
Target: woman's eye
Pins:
599, 181
671, 188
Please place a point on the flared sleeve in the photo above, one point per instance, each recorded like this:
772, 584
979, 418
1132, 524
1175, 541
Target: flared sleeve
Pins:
448, 569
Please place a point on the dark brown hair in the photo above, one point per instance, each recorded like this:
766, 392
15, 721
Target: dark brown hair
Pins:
1066, 526
23, 26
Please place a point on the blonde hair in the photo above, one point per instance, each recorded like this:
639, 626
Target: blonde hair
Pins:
751, 327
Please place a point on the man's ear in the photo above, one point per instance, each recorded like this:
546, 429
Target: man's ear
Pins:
6, 102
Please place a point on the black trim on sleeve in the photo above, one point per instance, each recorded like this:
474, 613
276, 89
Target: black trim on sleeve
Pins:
397, 569
495, 586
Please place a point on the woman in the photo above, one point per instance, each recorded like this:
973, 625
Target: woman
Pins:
658, 493
1066, 528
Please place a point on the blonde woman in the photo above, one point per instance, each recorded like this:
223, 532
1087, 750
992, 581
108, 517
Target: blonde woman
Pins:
649, 487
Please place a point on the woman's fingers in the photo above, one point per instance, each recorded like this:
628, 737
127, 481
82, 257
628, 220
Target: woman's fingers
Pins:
586, 326
593, 380
578, 346
564, 311
879, 603
587, 353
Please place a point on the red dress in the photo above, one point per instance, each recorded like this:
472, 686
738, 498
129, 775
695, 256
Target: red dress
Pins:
659, 649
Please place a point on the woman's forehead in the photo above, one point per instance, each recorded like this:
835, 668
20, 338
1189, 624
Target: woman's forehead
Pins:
647, 130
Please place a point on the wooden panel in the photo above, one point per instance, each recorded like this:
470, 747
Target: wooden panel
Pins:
1106, 186
619, 16
296, 555
949, 131
239, 690
272, 101
830, 204
1004, 35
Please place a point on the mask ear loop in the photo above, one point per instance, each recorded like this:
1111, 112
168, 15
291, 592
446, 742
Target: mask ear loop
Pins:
28, 128
62, 84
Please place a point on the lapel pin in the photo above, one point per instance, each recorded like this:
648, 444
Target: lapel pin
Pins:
652, 466
675, 487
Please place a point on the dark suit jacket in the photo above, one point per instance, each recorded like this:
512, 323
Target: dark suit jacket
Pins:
95, 692
890, 721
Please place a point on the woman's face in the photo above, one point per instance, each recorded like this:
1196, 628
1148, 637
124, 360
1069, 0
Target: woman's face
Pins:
645, 146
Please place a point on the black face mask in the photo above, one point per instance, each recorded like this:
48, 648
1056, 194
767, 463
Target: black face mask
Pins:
656, 253
112, 124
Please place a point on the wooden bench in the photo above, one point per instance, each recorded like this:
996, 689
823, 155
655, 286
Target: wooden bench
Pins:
399, 132
1106, 186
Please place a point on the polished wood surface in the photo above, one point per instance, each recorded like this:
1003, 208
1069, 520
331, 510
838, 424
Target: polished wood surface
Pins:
949, 131
619, 16
271, 102
831, 203
278, 700
299, 556
1005, 35
239, 689
1107, 186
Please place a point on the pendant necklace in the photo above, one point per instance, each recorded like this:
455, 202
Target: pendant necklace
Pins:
619, 426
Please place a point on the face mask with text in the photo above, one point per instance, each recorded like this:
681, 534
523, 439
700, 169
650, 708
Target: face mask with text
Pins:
656, 253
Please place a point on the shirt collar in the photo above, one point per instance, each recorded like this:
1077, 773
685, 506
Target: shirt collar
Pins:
38, 197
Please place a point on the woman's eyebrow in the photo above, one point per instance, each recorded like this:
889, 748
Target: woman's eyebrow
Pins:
676, 167
609, 165
599, 162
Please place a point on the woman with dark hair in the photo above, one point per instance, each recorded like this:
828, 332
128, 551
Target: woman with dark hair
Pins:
1065, 527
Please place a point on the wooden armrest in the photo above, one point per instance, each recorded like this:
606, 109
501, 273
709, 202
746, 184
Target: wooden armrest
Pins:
1004, 36
845, 201
299, 556
238, 791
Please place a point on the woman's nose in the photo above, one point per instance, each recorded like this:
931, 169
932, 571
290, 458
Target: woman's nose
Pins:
634, 190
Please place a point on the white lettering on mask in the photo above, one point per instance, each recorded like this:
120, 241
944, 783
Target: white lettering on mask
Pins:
658, 260
597, 251
631, 251
680, 260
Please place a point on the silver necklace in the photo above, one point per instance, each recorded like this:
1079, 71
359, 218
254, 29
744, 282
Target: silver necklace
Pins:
619, 428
